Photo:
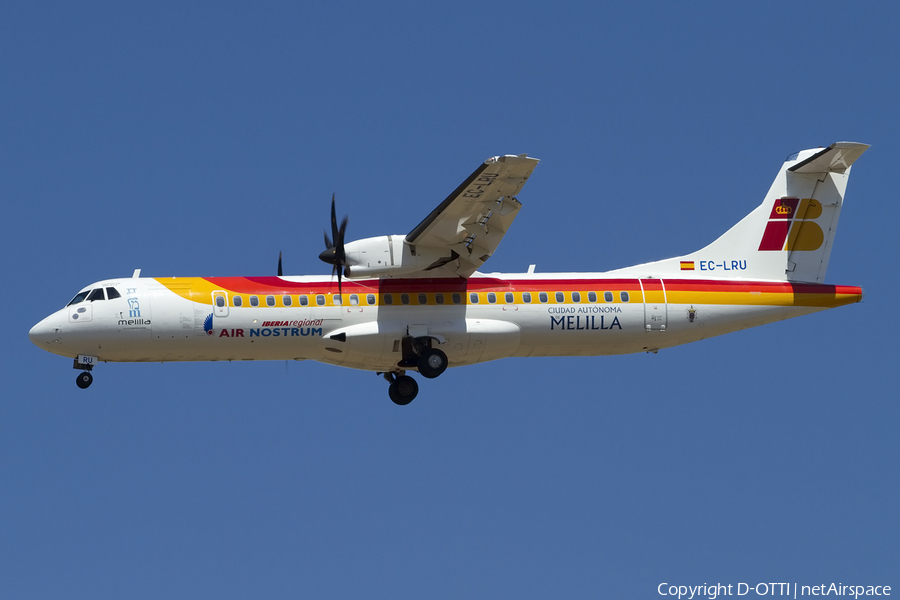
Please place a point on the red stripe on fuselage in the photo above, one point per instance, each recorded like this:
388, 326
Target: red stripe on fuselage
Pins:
276, 285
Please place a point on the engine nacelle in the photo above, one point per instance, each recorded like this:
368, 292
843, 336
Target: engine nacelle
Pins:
391, 256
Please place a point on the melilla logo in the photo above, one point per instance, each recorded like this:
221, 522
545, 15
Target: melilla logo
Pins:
792, 226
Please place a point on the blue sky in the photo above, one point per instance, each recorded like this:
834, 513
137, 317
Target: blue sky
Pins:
202, 139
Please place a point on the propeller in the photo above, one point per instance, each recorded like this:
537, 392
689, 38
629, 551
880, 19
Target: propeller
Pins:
280, 273
334, 251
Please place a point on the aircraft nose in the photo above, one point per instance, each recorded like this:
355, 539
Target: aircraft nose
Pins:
45, 332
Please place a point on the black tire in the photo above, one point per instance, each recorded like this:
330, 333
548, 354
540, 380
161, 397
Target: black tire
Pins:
403, 390
84, 380
432, 363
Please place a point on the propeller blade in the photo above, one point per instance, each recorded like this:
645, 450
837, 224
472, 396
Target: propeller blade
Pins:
334, 253
280, 273
334, 227
337, 270
340, 256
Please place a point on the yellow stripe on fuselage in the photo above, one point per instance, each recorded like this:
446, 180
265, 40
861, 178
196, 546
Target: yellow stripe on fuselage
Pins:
200, 290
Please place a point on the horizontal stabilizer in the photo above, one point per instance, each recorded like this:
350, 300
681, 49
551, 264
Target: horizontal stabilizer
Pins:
836, 158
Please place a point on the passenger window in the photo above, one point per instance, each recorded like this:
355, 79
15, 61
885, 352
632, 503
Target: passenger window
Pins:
509, 298
79, 297
560, 297
576, 297
457, 299
404, 298
270, 300
423, 299
473, 298
370, 299
354, 300
492, 297
320, 299
623, 296
439, 298
112, 293
543, 297
388, 299
526, 297
254, 301
238, 301
96, 295
286, 300
592, 297
607, 297
304, 300
220, 301
337, 299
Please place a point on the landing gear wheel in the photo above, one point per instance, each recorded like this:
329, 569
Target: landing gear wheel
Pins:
403, 390
432, 363
84, 380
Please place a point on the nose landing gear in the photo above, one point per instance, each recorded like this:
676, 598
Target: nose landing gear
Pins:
84, 379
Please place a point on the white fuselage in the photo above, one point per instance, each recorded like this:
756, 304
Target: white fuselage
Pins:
476, 320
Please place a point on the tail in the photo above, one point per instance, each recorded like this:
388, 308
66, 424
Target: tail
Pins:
789, 236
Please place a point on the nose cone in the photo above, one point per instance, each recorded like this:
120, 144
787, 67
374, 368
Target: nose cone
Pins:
46, 332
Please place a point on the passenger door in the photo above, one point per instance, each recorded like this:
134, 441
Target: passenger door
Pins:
655, 312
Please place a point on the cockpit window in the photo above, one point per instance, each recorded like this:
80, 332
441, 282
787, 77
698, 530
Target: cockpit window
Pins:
79, 298
96, 295
112, 293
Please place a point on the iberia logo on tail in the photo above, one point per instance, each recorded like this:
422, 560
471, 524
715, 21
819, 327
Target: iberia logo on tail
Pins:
792, 227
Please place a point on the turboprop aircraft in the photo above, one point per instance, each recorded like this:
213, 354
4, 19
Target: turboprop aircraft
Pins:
416, 302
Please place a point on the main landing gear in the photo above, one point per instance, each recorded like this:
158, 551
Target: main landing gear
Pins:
432, 363
418, 354
84, 379
403, 388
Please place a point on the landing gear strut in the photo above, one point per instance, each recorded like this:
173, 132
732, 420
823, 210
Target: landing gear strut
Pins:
403, 388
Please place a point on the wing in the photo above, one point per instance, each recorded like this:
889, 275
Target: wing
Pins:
466, 228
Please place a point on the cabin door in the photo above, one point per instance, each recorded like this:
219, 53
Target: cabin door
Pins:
655, 313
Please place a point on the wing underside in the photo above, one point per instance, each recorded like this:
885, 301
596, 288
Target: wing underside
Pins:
466, 228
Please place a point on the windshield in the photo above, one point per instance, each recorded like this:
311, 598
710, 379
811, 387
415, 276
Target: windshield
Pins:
79, 298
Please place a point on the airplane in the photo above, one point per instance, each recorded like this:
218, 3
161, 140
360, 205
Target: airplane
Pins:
400, 303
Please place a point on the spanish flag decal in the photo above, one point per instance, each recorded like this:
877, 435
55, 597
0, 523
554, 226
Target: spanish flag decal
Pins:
687, 265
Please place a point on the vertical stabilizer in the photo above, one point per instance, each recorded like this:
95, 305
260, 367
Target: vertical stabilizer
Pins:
789, 236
